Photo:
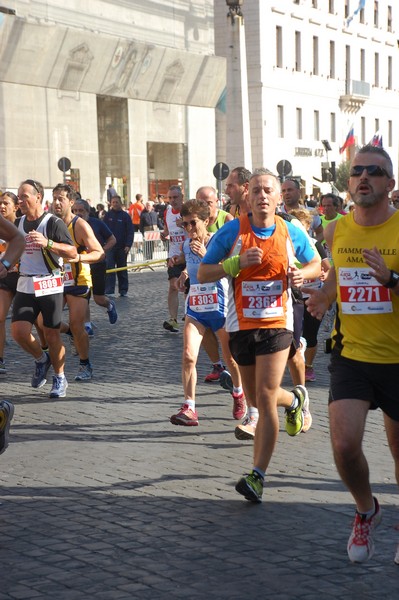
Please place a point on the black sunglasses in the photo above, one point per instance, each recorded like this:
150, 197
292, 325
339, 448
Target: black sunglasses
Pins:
372, 170
193, 223
33, 183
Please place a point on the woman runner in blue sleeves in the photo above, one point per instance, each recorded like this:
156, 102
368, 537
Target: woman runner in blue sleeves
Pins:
206, 306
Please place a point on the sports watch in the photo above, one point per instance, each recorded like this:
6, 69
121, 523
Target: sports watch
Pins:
393, 280
7, 264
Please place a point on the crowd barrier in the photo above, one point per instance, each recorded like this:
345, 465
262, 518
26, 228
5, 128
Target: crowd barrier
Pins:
148, 251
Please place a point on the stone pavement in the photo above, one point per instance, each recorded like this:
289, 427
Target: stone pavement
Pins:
101, 497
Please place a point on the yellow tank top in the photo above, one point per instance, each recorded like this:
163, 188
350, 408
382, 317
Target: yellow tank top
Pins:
80, 273
367, 322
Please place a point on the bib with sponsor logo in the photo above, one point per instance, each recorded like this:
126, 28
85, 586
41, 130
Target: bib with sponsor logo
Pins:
203, 297
367, 322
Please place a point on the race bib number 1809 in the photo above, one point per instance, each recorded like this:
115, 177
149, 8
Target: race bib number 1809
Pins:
49, 284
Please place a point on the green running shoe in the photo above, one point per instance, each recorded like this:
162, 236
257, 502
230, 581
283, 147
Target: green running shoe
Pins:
251, 487
294, 418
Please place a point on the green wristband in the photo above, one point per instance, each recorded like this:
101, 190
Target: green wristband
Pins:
231, 266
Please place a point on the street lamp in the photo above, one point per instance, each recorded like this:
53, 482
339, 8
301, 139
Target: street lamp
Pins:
234, 9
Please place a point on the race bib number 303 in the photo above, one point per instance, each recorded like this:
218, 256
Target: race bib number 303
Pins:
361, 294
262, 299
203, 297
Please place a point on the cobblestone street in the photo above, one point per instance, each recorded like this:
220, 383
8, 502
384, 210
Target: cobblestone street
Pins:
101, 497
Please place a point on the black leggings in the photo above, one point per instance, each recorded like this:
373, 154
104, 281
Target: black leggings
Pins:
310, 328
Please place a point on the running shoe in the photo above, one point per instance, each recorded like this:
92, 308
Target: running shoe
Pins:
251, 487
3, 370
360, 544
89, 329
112, 314
6, 414
59, 388
123, 295
294, 417
239, 406
214, 375
171, 325
85, 373
246, 430
226, 381
185, 416
307, 417
310, 375
39, 377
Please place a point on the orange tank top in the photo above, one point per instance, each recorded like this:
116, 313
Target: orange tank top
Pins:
261, 296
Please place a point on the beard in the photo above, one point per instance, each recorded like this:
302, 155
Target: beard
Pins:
367, 200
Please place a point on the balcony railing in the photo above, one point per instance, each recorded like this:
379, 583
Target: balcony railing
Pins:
357, 88
356, 94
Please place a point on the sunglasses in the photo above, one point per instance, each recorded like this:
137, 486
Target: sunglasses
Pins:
192, 223
34, 184
372, 170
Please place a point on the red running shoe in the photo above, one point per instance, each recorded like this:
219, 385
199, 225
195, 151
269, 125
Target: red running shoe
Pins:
185, 416
239, 406
214, 375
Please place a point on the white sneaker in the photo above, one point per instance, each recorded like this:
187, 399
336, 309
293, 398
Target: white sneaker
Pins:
246, 430
59, 388
360, 544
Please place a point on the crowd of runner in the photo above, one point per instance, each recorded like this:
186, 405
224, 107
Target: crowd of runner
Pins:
257, 279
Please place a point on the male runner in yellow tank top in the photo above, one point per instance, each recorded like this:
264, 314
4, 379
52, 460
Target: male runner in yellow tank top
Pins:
365, 342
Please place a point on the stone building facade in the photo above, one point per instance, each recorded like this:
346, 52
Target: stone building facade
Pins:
316, 68
125, 89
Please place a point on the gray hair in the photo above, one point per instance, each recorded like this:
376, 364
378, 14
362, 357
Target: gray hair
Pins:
84, 203
263, 171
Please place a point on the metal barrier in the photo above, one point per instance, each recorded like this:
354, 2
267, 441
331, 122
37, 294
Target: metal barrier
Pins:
148, 250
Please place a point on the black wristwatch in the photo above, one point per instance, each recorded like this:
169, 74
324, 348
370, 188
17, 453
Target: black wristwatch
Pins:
393, 280
6, 263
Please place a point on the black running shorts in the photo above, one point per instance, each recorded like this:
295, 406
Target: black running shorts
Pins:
26, 307
371, 382
247, 344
